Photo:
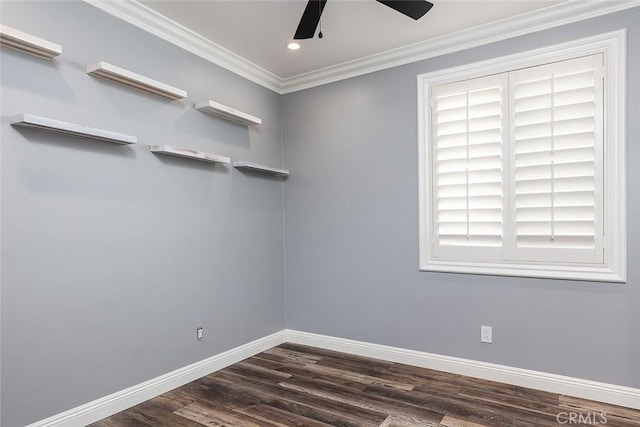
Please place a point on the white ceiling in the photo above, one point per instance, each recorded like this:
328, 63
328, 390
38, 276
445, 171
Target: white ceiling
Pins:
258, 30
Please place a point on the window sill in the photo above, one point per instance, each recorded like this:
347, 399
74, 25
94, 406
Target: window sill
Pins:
585, 273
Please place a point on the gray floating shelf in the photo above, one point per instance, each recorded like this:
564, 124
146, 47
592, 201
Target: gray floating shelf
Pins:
28, 43
227, 113
44, 123
129, 78
189, 154
260, 168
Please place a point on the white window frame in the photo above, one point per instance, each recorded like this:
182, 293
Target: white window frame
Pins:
613, 269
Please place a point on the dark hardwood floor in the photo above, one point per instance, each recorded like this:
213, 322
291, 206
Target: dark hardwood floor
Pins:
293, 385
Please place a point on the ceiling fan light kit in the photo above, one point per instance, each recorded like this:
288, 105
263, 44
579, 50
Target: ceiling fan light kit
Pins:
414, 9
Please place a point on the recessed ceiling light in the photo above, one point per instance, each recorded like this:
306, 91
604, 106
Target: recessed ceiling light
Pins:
293, 45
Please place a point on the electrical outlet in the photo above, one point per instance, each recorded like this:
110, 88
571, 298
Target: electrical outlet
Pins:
199, 333
486, 334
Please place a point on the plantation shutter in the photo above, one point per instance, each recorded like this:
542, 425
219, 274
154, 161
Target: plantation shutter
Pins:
468, 150
556, 161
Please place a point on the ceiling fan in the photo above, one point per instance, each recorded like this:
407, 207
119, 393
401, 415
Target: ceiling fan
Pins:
311, 16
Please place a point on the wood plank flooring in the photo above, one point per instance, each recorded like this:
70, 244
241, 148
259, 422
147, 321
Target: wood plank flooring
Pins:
293, 385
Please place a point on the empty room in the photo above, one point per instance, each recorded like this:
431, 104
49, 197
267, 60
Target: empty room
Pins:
319, 213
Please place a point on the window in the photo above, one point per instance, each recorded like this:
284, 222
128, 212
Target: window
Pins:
522, 164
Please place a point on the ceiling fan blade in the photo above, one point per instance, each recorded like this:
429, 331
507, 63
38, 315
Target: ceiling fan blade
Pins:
310, 18
412, 8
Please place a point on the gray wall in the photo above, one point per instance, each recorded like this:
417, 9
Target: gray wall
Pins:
352, 235
112, 256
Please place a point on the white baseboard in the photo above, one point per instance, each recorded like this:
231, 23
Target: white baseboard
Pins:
586, 389
119, 401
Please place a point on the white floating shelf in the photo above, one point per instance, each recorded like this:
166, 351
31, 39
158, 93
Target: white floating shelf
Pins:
189, 154
44, 123
27, 43
227, 113
260, 168
129, 78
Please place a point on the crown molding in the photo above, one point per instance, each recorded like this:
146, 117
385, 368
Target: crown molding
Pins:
143, 17
564, 13
538, 20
